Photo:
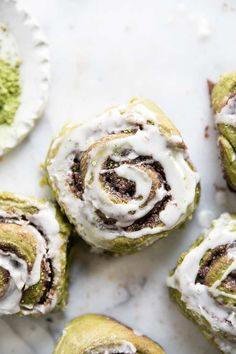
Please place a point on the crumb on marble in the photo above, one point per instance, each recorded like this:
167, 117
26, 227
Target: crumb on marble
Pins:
206, 131
210, 85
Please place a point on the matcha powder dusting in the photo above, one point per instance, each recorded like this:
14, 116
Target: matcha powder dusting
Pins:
9, 91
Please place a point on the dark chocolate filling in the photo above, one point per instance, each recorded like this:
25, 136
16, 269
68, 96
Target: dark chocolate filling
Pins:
212, 257
151, 219
119, 186
122, 188
75, 180
125, 188
48, 282
230, 282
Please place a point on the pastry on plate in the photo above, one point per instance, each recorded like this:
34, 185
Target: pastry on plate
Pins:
24, 74
223, 97
124, 179
33, 255
99, 334
204, 283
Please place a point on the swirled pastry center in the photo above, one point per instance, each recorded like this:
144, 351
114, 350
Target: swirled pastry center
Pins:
120, 175
206, 278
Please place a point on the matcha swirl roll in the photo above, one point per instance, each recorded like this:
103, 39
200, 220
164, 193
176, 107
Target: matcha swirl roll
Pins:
97, 334
124, 179
33, 250
224, 105
204, 283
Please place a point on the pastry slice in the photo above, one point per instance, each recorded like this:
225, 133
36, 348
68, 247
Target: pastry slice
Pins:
33, 256
204, 283
97, 334
223, 97
124, 179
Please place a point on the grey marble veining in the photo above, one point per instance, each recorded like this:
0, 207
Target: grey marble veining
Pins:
102, 53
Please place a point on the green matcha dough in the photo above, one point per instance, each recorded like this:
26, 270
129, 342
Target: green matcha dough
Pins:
33, 255
224, 91
9, 91
78, 178
203, 283
90, 334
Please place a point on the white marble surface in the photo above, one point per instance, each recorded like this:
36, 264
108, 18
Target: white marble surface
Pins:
104, 52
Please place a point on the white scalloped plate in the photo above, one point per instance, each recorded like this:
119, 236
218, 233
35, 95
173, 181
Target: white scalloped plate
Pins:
23, 39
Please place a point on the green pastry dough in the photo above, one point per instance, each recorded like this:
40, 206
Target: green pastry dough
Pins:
223, 103
204, 283
124, 179
101, 334
33, 256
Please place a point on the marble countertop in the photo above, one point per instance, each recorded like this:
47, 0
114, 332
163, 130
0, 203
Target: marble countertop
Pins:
103, 53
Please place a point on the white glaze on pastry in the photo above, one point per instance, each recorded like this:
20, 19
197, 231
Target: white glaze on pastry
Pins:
201, 298
44, 228
121, 347
148, 141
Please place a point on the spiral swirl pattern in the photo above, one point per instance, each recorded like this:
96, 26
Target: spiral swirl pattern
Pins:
124, 176
204, 282
33, 239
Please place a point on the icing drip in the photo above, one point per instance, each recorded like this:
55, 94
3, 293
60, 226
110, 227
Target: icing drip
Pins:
44, 229
123, 347
206, 299
130, 139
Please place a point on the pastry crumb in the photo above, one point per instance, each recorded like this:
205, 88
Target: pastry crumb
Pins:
206, 131
210, 85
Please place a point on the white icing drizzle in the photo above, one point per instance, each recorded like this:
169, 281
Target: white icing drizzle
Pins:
201, 298
148, 141
120, 347
227, 115
18, 276
49, 247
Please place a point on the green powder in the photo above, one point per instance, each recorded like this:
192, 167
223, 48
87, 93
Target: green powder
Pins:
9, 91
